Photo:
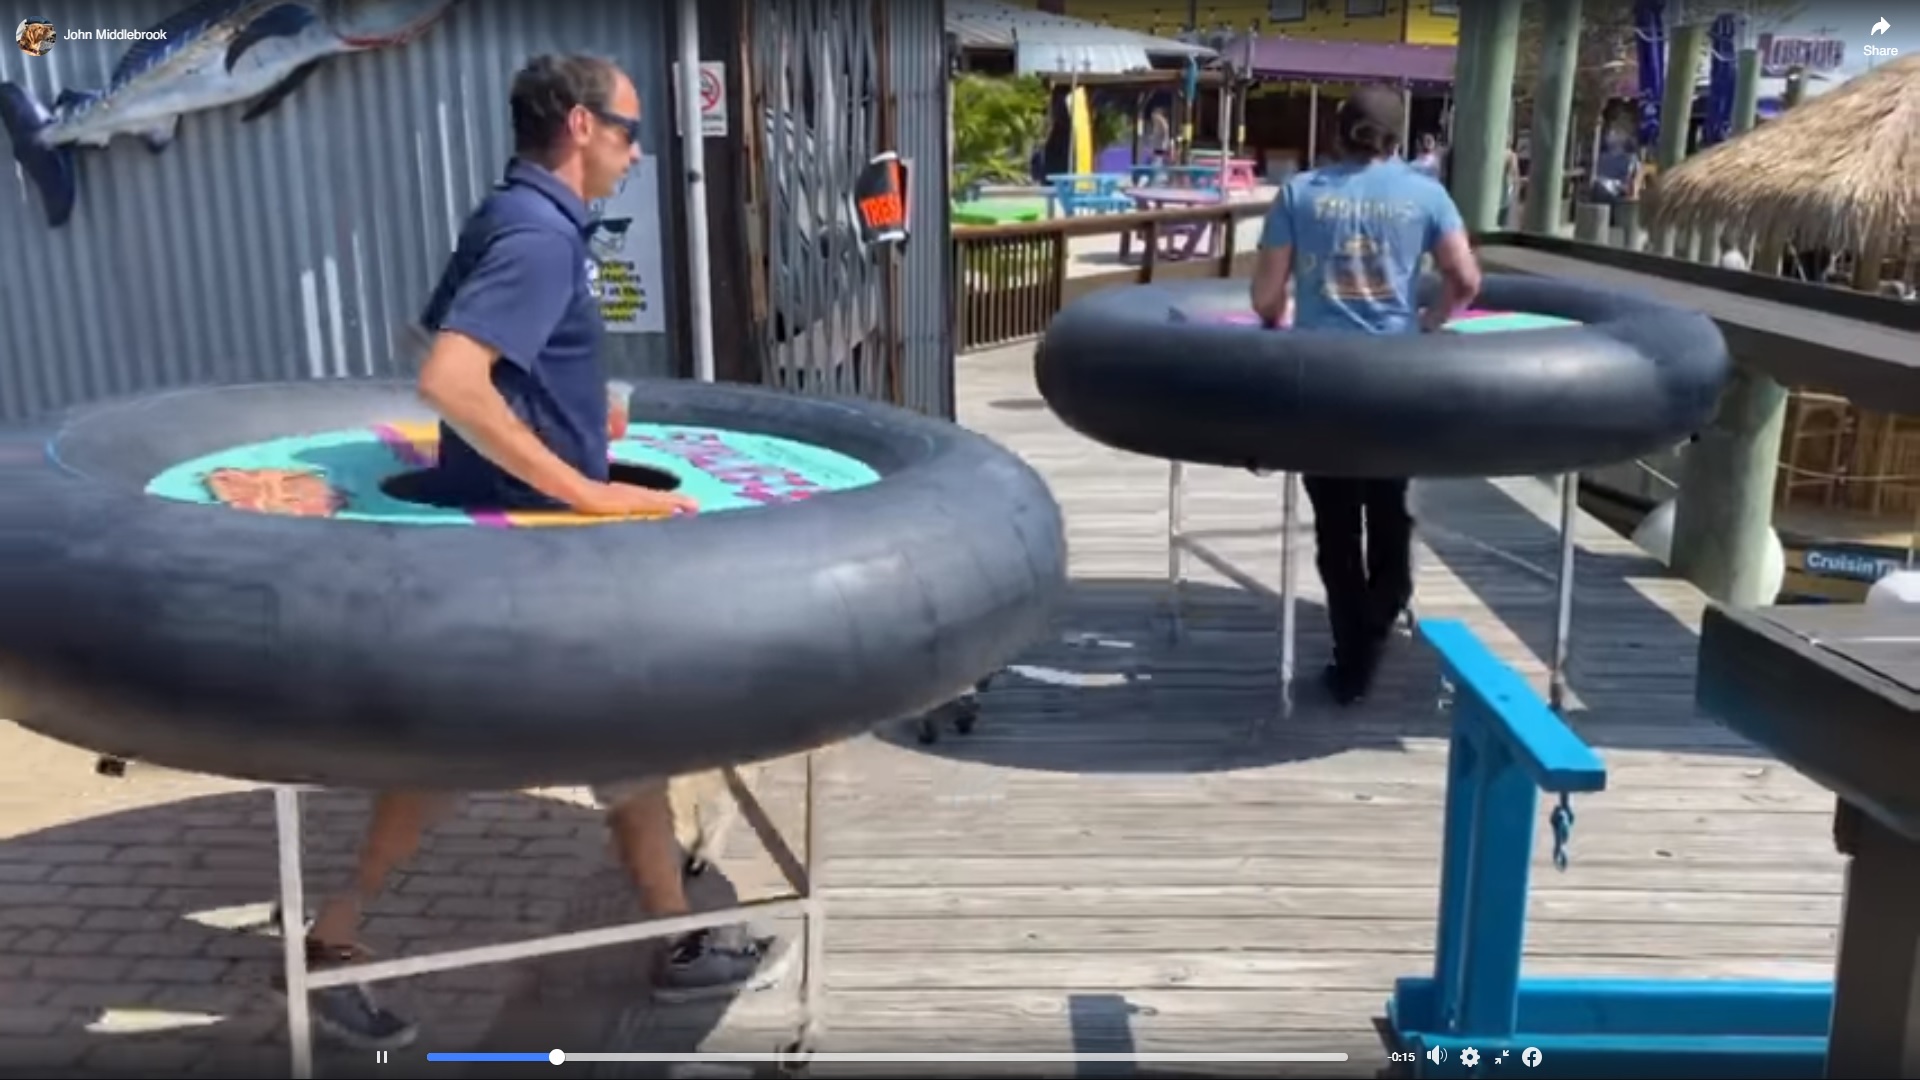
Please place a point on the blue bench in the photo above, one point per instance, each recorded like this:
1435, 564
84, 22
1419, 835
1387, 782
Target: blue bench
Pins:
1507, 748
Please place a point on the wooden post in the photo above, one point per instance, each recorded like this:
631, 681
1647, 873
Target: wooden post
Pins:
1724, 511
1746, 91
1626, 217
1553, 116
1313, 126
1676, 111
1590, 222
1489, 38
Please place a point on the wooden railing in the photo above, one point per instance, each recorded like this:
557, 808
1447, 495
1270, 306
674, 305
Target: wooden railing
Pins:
1010, 280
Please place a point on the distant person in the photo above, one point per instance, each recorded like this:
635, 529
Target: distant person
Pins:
1347, 241
1616, 174
1159, 138
1427, 161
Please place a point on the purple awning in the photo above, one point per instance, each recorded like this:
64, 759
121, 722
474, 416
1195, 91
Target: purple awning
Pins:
1345, 61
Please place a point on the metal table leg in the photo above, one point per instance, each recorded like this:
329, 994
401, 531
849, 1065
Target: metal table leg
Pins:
804, 901
293, 931
1176, 476
1563, 615
1289, 516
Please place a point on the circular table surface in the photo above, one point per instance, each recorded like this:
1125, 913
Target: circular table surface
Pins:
339, 474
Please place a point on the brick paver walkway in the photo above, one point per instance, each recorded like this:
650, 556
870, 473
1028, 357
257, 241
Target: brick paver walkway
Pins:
132, 920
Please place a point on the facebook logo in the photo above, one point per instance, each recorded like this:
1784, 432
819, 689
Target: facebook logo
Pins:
1530, 1057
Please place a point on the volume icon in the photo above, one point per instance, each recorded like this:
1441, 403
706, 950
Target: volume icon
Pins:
1437, 1054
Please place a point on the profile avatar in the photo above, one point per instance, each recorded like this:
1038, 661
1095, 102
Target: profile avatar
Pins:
35, 37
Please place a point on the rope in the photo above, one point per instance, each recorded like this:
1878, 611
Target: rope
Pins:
1798, 471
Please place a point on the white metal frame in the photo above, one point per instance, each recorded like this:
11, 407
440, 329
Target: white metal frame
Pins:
1178, 544
803, 900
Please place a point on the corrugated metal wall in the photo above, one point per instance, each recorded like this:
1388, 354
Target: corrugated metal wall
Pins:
917, 68
301, 244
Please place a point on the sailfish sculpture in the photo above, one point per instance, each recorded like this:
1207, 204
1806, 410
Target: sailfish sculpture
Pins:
209, 55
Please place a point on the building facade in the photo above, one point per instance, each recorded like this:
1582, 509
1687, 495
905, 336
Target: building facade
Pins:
1414, 22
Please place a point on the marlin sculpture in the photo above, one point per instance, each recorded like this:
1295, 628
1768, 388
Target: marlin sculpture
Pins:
207, 56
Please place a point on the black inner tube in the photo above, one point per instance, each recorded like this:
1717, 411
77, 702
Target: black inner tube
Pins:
1153, 370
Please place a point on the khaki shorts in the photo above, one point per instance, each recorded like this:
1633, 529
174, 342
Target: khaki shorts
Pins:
613, 794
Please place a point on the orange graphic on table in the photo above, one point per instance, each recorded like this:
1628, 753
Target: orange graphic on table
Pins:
292, 492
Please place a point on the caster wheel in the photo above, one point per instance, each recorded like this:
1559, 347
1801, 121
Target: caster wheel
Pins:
927, 730
796, 1058
273, 919
106, 765
966, 715
695, 866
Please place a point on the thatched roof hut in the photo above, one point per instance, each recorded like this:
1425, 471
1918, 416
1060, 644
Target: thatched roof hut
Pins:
1839, 171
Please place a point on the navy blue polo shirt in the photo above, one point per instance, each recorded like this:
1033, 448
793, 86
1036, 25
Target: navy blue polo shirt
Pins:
518, 282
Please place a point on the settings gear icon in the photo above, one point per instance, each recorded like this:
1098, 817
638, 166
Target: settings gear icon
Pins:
1470, 1057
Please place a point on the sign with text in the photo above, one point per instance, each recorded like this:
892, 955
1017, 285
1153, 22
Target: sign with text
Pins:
713, 98
1818, 55
626, 265
880, 201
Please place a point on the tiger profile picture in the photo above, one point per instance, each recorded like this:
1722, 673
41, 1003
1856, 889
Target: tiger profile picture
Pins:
35, 36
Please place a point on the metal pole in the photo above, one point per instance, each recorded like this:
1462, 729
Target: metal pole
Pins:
1563, 618
1289, 513
293, 931
693, 152
813, 985
1174, 540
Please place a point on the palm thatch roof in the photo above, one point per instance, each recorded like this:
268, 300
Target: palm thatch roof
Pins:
1836, 171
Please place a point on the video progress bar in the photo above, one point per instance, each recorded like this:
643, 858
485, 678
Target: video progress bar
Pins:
559, 1057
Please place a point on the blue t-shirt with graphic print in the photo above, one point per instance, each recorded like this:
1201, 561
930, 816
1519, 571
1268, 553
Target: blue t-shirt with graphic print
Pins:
1357, 233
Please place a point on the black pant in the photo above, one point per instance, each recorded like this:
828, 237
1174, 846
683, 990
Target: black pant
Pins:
1366, 589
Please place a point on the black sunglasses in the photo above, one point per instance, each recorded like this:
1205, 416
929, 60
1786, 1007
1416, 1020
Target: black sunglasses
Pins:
628, 124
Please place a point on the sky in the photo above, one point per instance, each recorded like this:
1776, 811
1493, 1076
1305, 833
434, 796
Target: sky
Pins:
1851, 21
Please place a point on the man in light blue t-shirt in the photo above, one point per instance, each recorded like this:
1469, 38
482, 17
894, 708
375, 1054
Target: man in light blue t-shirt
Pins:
1341, 252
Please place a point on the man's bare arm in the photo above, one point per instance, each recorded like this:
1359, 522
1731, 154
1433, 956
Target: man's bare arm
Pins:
1271, 295
457, 381
1459, 279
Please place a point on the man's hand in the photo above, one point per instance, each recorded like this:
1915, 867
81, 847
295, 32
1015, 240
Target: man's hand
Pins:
626, 500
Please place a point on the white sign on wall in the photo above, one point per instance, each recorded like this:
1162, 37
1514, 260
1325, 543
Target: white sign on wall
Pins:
626, 271
713, 98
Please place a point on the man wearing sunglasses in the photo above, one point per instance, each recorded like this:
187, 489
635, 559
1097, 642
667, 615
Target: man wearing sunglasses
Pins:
515, 374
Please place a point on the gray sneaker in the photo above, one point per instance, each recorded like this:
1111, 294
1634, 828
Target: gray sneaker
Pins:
350, 1013
721, 962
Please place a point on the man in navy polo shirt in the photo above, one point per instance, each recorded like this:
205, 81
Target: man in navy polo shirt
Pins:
515, 374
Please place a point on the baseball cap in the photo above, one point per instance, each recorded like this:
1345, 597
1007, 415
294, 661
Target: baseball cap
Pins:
1373, 106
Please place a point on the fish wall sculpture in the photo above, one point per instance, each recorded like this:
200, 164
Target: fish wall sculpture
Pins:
213, 54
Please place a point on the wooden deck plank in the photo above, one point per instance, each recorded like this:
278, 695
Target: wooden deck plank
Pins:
1112, 831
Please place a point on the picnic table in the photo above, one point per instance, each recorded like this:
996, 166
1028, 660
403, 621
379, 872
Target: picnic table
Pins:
1239, 171
1188, 236
1175, 176
998, 211
1097, 193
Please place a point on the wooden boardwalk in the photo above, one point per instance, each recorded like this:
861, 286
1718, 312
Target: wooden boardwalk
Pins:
1111, 862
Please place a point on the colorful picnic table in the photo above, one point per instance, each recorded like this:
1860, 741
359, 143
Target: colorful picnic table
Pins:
1097, 193
1189, 236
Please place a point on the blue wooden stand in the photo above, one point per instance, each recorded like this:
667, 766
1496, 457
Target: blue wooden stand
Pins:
1508, 746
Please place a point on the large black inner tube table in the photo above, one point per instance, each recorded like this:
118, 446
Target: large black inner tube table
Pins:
244, 581
1543, 377
1834, 692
